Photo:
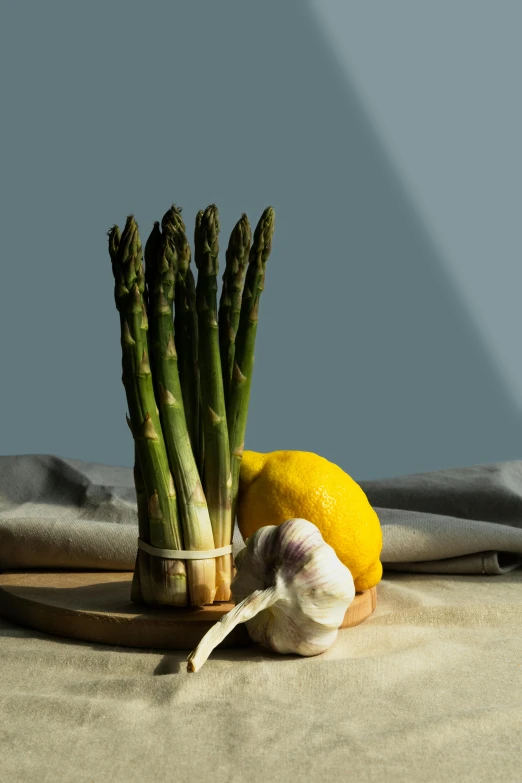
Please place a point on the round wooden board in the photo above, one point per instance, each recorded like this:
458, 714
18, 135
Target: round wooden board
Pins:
95, 606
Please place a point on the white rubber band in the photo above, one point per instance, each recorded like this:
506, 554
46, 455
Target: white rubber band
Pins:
183, 554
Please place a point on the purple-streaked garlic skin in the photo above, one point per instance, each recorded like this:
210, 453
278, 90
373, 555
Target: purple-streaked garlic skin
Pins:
314, 589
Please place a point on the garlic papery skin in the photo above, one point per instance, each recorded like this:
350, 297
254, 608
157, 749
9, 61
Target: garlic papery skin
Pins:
290, 589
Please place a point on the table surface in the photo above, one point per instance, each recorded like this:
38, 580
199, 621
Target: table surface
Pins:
428, 688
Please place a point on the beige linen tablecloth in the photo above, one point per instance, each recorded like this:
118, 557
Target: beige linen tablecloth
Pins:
428, 689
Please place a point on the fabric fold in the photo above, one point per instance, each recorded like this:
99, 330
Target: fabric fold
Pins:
64, 513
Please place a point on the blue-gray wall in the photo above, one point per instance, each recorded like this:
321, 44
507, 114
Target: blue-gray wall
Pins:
386, 136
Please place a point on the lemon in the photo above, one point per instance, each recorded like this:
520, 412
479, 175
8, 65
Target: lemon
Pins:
282, 485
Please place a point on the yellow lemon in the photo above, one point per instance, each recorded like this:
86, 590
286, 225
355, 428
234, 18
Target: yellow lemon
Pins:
282, 485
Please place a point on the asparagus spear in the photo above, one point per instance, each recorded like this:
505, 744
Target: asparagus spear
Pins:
199, 217
230, 301
114, 242
162, 581
143, 525
237, 411
141, 493
197, 530
186, 330
152, 248
217, 480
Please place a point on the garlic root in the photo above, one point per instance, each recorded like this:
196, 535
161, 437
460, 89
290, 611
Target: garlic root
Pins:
254, 603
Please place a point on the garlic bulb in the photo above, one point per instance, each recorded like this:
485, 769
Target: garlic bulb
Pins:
290, 589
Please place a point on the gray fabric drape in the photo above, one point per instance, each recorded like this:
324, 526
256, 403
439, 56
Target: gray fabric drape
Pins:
62, 513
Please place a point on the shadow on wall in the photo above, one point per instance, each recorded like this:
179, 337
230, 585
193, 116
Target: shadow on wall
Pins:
366, 353
380, 368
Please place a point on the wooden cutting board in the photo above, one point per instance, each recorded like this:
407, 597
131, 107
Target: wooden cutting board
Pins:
95, 606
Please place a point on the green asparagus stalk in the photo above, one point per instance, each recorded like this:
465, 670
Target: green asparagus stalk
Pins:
197, 529
162, 581
152, 249
186, 330
143, 524
237, 411
197, 233
114, 242
217, 480
141, 493
199, 217
230, 301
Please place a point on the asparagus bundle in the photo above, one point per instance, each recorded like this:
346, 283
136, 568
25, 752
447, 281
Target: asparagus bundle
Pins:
187, 373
